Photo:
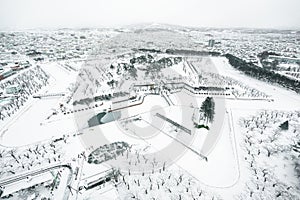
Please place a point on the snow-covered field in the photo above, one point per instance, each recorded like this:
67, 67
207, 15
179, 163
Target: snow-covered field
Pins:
162, 150
30, 124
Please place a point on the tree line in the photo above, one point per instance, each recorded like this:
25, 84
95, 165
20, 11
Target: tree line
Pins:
262, 73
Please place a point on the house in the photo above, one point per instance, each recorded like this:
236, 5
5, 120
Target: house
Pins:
13, 89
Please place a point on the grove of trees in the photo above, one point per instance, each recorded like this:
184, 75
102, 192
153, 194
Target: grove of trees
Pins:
262, 73
208, 108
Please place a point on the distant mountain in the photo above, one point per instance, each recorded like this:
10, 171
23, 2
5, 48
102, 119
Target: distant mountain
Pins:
156, 27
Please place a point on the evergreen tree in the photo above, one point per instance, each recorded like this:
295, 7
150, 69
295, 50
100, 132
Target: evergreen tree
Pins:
208, 108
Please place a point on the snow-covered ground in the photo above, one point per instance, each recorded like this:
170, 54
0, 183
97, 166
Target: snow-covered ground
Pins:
225, 173
29, 125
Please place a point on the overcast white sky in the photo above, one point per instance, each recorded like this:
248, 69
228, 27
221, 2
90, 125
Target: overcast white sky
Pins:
23, 14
